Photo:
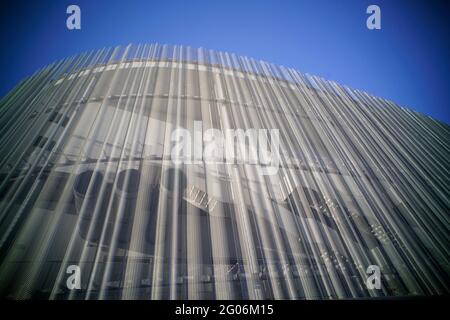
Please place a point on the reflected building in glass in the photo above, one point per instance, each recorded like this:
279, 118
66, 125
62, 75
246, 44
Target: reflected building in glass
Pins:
87, 180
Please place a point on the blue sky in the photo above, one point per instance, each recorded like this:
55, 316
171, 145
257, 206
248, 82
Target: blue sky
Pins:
407, 61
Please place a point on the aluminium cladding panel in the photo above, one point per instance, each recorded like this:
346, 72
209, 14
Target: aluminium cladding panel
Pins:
87, 179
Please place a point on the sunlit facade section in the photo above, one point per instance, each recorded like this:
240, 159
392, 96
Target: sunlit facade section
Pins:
92, 205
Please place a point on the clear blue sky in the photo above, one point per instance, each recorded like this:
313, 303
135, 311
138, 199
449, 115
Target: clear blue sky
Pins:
407, 61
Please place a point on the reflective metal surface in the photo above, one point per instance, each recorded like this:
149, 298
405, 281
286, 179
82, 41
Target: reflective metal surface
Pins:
86, 179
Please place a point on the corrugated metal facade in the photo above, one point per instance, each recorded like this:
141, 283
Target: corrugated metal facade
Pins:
86, 179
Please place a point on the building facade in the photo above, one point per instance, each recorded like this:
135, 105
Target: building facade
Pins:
93, 205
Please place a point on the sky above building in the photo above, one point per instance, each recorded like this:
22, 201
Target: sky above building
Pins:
407, 61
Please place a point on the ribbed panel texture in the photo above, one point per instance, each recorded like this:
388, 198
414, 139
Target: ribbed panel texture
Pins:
87, 179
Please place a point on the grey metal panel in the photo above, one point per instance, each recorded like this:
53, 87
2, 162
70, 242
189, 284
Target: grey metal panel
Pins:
86, 178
